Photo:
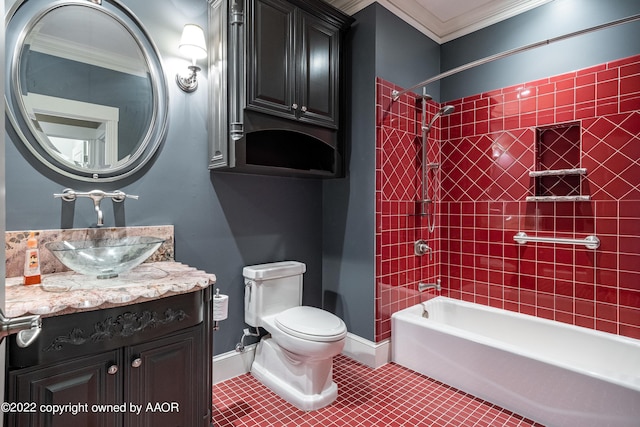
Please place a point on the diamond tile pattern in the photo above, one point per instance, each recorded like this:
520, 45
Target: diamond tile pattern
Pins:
400, 148
487, 148
611, 154
390, 396
566, 185
488, 167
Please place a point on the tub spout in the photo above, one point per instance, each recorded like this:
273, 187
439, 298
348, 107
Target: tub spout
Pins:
425, 286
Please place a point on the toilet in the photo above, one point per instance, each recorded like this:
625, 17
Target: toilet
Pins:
295, 359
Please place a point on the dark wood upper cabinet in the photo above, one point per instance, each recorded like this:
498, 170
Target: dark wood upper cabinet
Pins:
318, 77
293, 59
276, 89
271, 57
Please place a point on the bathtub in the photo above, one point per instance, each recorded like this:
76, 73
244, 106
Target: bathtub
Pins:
551, 372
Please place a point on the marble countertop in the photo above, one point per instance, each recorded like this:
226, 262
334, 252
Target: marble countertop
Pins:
70, 292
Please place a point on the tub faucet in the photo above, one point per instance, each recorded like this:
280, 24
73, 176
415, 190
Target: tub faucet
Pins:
424, 286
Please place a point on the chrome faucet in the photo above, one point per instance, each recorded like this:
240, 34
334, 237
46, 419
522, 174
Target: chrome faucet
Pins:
97, 196
69, 195
424, 286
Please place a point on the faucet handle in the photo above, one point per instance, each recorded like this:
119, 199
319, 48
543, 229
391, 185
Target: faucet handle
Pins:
68, 195
420, 247
119, 196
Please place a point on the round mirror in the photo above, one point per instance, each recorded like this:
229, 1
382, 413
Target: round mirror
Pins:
85, 90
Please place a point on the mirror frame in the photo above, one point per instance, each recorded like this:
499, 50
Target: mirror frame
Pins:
19, 22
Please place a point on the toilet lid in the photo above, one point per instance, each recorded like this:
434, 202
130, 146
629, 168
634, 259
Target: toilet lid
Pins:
311, 323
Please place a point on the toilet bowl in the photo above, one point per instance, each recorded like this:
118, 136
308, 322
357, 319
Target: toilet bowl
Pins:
295, 358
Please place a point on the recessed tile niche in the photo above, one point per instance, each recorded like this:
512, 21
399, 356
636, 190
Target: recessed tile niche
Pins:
557, 174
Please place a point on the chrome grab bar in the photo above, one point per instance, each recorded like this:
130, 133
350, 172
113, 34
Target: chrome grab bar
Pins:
591, 242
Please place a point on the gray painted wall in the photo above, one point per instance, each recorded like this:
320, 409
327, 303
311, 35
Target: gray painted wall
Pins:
222, 221
349, 210
547, 21
404, 55
380, 45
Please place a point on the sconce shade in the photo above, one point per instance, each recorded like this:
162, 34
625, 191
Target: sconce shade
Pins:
192, 43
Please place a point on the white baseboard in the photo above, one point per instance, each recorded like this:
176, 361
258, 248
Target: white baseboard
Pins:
367, 352
231, 364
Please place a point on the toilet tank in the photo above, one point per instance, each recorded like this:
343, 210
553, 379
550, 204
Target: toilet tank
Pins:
271, 288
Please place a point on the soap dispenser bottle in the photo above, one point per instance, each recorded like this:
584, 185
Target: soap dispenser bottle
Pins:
32, 261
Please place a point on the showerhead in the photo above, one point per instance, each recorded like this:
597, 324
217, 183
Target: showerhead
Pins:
447, 109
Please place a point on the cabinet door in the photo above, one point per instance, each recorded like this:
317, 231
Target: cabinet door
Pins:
270, 60
81, 383
163, 377
318, 70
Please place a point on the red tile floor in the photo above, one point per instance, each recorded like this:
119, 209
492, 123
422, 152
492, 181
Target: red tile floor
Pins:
388, 396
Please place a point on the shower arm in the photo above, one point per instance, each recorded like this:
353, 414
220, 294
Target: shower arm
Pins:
396, 94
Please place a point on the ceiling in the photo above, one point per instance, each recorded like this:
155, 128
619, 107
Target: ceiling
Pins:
445, 20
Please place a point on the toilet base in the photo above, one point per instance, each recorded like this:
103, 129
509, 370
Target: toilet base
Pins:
307, 385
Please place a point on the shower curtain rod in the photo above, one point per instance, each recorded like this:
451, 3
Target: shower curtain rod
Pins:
396, 94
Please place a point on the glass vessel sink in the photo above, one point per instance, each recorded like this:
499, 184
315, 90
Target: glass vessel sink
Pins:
104, 258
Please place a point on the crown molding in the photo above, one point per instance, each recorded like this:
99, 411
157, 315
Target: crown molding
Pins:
442, 31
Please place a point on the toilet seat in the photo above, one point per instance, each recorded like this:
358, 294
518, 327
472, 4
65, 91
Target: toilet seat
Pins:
311, 324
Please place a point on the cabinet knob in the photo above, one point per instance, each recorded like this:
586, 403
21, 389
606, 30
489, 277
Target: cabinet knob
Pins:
294, 106
112, 370
303, 109
136, 363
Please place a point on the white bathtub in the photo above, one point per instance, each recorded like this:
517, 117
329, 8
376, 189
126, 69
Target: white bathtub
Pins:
551, 372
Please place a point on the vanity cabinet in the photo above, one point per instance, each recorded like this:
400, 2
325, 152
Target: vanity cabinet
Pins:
277, 87
167, 372
146, 364
85, 380
293, 58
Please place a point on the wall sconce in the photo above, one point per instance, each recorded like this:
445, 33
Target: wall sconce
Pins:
193, 46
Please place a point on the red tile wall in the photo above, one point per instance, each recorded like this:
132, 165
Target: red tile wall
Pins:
399, 222
487, 149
